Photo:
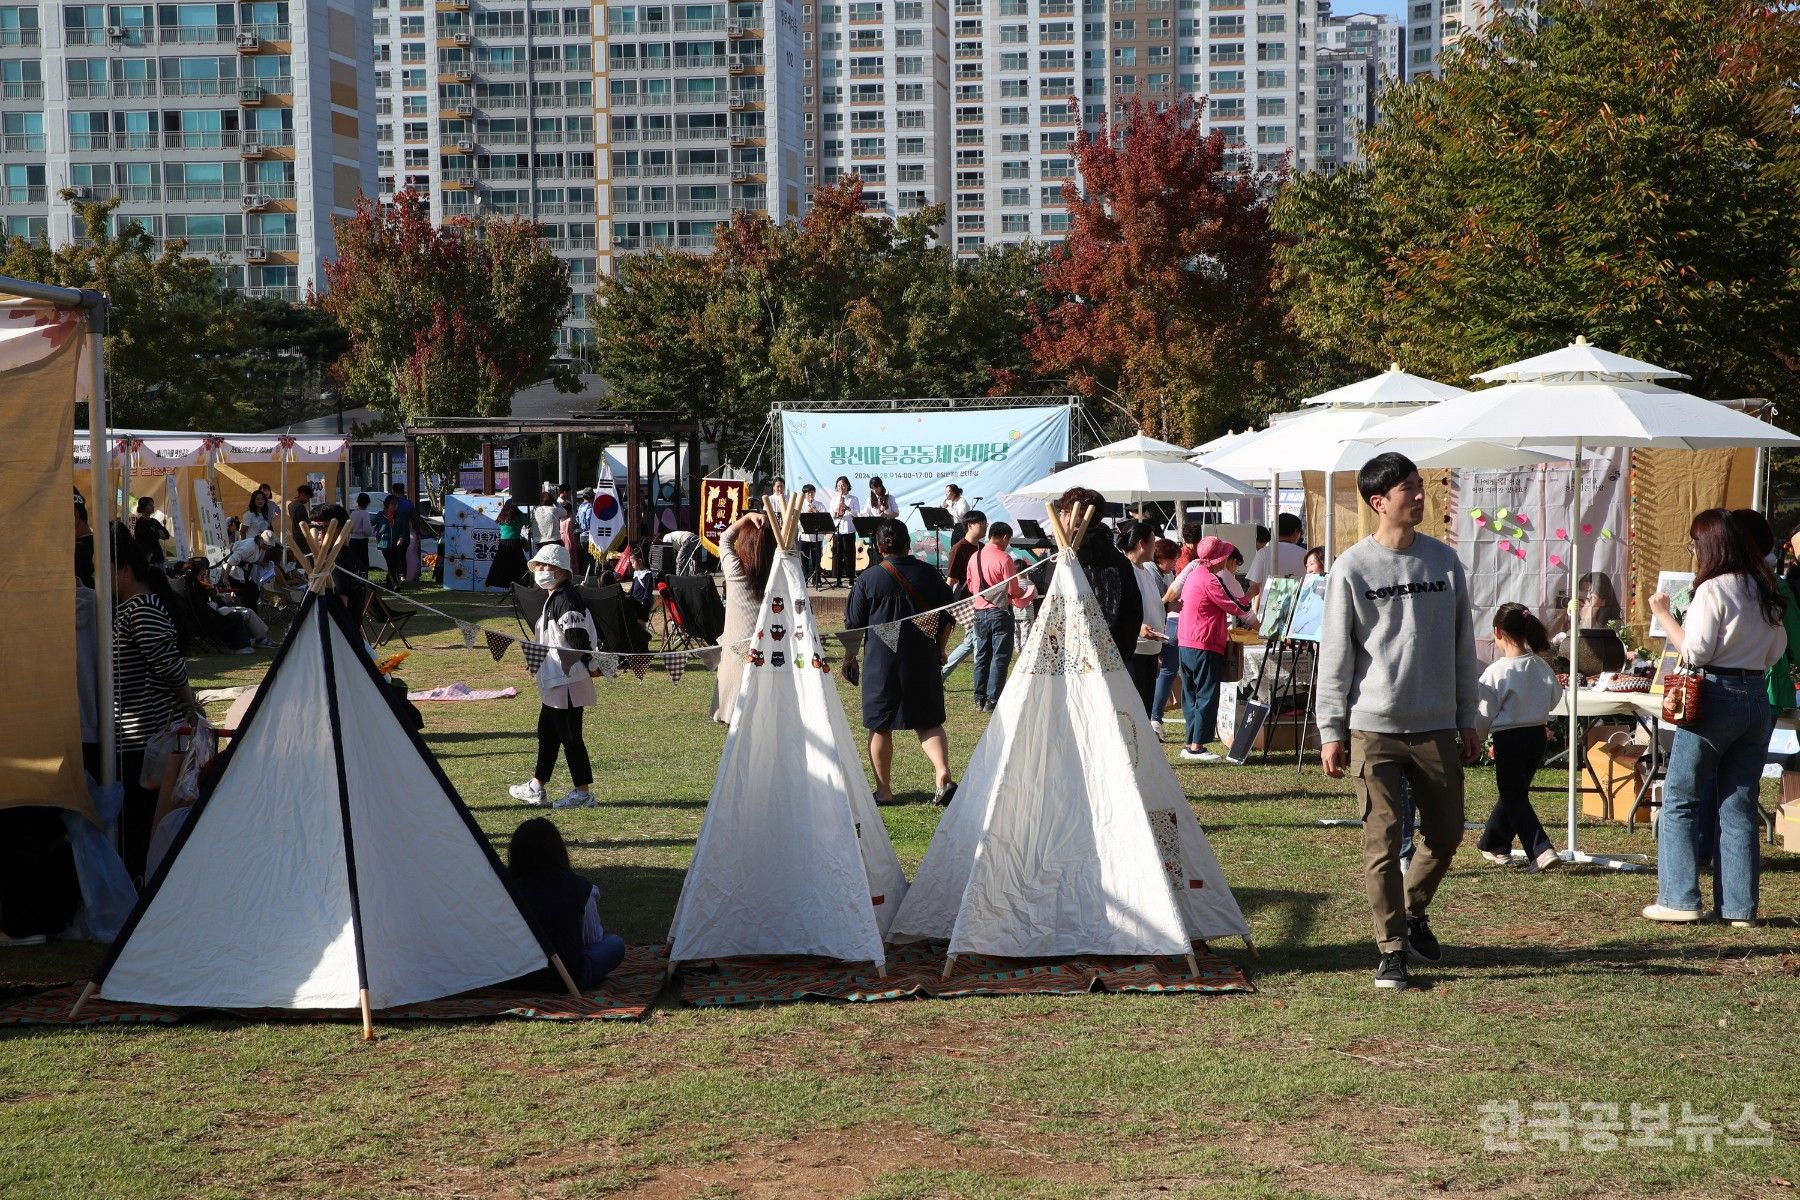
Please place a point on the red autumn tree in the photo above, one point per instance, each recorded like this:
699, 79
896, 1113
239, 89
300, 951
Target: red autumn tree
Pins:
1161, 297
443, 322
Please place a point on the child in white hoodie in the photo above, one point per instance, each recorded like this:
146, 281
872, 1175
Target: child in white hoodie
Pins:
1517, 692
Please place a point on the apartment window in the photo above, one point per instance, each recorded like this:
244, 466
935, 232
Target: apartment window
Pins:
1015, 8
909, 93
1124, 56
1271, 106
974, 221
1015, 197
1015, 143
1271, 52
909, 118
867, 93
969, 158
1050, 197
1124, 29
968, 245
1060, 86
1157, 27
912, 173
1056, 60
1015, 170
1271, 23
1225, 81
1225, 27
1015, 60
1015, 223
1014, 35
913, 146
1225, 52
908, 38
1271, 79
1271, 135
1055, 143
1014, 89
868, 147
1225, 108
1015, 116
909, 64
865, 10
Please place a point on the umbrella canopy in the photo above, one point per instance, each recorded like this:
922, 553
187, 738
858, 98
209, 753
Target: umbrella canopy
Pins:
1138, 446
1557, 412
1222, 442
1134, 480
1309, 441
1478, 456
1578, 360
1392, 388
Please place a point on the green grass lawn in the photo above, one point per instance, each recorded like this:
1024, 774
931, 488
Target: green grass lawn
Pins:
1552, 992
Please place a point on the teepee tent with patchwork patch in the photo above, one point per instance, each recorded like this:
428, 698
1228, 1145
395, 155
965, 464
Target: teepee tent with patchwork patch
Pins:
1070, 833
792, 857
331, 865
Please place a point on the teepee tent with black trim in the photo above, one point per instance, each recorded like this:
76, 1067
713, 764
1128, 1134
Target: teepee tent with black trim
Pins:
1070, 833
331, 865
792, 857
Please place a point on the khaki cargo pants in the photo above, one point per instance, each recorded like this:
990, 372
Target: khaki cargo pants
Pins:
1432, 762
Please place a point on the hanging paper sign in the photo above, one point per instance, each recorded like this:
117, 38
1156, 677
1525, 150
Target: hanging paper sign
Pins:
211, 519
722, 501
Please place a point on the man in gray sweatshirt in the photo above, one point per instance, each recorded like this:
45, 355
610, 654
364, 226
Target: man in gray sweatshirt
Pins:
1396, 702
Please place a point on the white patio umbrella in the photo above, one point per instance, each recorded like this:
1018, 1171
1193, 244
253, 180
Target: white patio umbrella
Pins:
1581, 396
1134, 480
1392, 388
1138, 446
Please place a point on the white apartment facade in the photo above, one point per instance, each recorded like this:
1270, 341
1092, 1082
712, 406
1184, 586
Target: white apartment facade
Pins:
1434, 26
240, 129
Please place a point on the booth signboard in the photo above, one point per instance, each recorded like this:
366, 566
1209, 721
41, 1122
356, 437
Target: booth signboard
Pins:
1278, 596
471, 541
722, 501
1678, 586
211, 520
1308, 619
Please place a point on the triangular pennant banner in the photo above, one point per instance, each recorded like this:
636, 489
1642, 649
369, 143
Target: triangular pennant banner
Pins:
963, 613
889, 634
709, 657
497, 644
468, 634
534, 655
677, 665
929, 623
639, 664
607, 665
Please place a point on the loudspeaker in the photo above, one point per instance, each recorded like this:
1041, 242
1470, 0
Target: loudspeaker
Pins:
525, 478
662, 558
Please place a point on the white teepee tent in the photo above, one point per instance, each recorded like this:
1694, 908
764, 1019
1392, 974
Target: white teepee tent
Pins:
1070, 833
332, 865
793, 857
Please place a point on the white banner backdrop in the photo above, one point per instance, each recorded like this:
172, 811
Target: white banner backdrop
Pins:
1514, 536
471, 540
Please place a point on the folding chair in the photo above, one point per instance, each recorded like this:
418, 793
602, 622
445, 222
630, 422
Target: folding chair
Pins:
676, 633
528, 600
388, 618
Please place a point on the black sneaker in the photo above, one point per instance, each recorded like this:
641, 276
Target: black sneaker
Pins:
1391, 971
1424, 943
944, 796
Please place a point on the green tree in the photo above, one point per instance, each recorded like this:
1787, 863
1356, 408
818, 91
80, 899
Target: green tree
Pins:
169, 314
1625, 170
444, 322
279, 358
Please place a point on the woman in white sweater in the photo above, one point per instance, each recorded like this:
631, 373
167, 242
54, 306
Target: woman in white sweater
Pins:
1732, 634
1517, 692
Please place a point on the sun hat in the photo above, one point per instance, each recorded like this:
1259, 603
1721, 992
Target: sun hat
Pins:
552, 555
1213, 551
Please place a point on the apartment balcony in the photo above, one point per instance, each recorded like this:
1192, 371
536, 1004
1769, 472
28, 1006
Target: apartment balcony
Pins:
263, 33
643, 171
206, 139
269, 292
700, 135
626, 28
669, 241
20, 37
84, 37
639, 99
714, 25
32, 194
219, 244
634, 207
195, 35
502, 139
565, 208
569, 243
501, 103
21, 90
710, 62
703, 169
558, 66
500, 174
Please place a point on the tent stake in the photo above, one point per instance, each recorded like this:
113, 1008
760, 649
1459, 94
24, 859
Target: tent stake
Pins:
82, 999
881, 971
568, 980
368, 1019
671, 974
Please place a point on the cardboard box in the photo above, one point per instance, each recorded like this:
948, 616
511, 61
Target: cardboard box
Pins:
1787, 826
1280, 734
1616, 759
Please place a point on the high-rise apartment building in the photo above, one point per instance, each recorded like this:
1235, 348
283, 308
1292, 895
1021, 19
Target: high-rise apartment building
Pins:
1359, 56
241, 128
1434, 26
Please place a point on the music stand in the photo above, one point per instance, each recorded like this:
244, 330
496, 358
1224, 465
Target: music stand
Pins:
1031, 529
937, 521
817, 523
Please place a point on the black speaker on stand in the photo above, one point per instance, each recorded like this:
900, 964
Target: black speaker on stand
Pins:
525, 478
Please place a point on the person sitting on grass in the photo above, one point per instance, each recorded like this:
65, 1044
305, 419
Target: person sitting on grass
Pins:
1517, 692
561, 905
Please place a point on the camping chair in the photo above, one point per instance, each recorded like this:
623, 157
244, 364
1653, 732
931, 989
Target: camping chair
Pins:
678, 634
528, 601
616, 619
388, 618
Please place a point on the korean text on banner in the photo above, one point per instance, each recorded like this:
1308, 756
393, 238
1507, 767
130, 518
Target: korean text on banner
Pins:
471, 540
211, 519
722, 501
989, 452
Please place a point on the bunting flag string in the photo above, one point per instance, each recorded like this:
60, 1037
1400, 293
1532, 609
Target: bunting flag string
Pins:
676, 662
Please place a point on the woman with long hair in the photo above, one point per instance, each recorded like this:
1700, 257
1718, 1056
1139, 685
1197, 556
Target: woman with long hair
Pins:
509, 557
1732, 634
150, 643
256, 515
564, 906
845, 508
746, 552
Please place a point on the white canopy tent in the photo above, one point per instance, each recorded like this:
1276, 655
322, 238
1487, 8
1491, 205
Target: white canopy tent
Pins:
793, 857
1582, 396
1393, 389
1138, 446
1070, 833
1133, 480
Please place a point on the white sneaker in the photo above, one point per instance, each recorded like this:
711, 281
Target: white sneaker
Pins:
1156, 728
1548, 859
1499, 860
578, 798
529, 792
1209, 756
1678, 916
1192, 755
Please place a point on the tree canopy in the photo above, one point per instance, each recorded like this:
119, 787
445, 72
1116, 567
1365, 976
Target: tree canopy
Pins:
1625, 169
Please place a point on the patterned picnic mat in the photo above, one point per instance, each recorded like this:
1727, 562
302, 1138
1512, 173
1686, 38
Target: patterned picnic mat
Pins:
916, 970
627, 994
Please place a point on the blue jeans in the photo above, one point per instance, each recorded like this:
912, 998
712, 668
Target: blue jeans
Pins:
993, 652
1201, 671
1169, 672
597, 961
1719, 755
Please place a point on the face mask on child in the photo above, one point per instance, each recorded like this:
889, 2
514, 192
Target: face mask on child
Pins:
545, 577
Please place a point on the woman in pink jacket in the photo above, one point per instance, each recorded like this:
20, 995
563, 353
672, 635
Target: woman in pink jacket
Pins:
1209, 599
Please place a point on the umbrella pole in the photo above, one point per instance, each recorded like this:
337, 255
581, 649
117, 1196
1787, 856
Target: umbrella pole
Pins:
1577, 757
1330, 525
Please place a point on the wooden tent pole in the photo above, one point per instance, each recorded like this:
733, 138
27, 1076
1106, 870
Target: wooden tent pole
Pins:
1193, 966
881, 970
949, 965
368, 1018
1056, 525
569, 980
82, 999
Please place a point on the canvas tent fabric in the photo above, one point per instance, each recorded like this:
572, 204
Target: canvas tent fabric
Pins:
793, 857
330, 855
42, 352
1070, 833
